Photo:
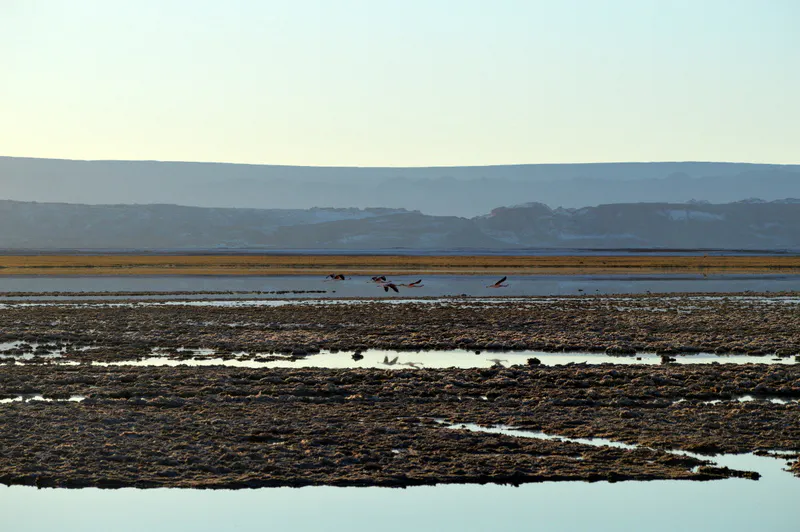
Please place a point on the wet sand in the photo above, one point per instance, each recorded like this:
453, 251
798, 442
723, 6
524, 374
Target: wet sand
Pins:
224, 427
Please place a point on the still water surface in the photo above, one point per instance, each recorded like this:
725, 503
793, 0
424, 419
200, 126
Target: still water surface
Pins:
434, 285
735, 505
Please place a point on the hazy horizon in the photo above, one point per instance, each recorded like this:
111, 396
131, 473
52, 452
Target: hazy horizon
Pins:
443, 166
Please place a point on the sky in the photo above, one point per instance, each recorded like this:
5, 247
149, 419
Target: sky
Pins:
401, 83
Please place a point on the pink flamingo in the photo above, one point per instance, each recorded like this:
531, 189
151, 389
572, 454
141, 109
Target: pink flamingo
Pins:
387, 286
498, 284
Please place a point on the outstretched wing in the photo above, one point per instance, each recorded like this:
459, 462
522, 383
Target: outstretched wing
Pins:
501, 281
393, 287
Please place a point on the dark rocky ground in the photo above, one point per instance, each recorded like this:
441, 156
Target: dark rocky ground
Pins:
623, 325
223, 427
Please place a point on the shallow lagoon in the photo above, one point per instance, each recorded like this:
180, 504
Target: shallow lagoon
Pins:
435, 285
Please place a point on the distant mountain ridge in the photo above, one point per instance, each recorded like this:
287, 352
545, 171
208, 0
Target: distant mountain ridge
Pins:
747, 224
443, 191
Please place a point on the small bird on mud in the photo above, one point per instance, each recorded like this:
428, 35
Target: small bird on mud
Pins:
498, 284
387, 286
415, 284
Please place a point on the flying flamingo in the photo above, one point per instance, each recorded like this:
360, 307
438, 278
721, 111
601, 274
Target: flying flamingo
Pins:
336, 277
387, 286
415, 284
498, 284
378, 278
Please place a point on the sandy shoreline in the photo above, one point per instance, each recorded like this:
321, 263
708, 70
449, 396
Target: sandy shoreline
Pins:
389, 265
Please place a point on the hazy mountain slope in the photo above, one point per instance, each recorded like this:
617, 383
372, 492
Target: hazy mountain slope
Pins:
450, 191
765, 225
756, 225
59, 225
411, 230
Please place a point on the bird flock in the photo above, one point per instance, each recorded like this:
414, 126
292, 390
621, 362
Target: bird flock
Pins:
382, 282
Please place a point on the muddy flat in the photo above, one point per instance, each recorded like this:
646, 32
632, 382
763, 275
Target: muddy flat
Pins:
70, 419
123, 329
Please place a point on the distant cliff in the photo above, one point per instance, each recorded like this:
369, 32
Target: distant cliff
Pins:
750, 224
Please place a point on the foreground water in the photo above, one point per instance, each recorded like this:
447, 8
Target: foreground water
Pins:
736, 505
434, 285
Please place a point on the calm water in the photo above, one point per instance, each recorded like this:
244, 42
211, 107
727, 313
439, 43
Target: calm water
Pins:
455, 358
735, 505
434, 285
390, 359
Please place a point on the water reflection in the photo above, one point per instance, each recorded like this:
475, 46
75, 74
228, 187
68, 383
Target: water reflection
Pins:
455, 358
26, 398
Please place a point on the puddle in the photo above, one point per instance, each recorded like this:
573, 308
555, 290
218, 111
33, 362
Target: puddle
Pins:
766, 466
777, 400
26, 398
388, 359
749, 398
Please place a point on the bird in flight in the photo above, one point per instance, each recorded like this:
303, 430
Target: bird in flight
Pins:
378, 278
387, 286
415, 284
336, 277
498, 284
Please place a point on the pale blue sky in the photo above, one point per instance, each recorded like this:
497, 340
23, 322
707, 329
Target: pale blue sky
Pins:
406, 83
